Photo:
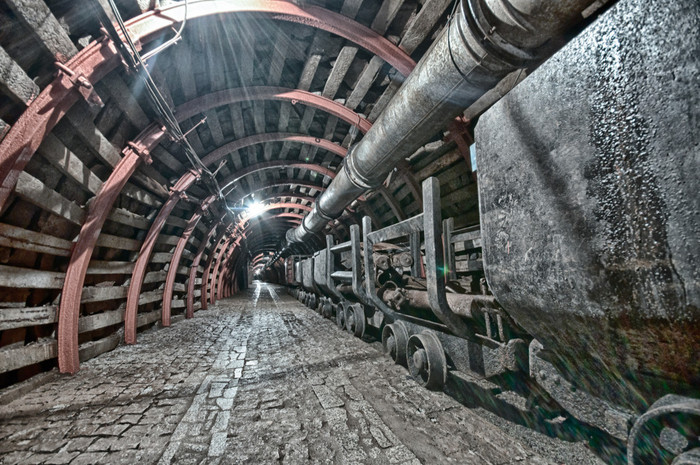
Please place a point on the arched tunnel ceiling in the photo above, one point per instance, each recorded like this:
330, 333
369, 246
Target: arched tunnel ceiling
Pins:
270, 95
310, 75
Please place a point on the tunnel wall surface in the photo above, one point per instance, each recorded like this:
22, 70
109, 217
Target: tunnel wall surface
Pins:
588, 180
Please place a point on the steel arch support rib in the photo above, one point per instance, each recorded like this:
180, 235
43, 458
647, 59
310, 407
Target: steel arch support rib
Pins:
244, 94
189, 312
223, 276
40, 117
307, 15
240, 174
100, 57
207, 268
69, 310
175, 259
137, 276
225, 250
216, 154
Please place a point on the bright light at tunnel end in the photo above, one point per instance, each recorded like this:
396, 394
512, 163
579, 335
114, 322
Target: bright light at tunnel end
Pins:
255, 209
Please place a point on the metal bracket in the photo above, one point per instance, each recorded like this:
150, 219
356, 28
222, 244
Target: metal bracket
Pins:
356, 252
459, 133
370, 290
82, 84
435, 262
141, 151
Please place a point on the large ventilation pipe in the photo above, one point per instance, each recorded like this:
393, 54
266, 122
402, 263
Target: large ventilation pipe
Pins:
485, 40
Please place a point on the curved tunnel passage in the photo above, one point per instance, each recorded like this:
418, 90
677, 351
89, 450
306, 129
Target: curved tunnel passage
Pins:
288, 117
131, 200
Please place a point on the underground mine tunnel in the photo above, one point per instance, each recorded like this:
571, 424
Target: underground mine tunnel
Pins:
350, 231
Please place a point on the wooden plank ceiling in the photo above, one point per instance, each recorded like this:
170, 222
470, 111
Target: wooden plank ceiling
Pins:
41, 221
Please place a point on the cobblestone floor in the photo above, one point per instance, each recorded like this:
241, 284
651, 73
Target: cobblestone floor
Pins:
256, 379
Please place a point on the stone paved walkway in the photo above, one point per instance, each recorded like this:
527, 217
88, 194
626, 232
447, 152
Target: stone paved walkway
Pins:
256, 379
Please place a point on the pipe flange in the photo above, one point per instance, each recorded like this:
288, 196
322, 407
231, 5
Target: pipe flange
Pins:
356, 179
489, 38
321, 213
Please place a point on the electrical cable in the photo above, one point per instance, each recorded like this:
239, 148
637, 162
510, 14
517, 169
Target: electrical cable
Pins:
134, 60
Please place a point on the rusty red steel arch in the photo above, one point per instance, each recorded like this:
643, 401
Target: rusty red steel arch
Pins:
278, 183
264, 165
268, 137
192, 277
90, 65
216, 288
69, 308
223, 276
287, 217
95, 61
259, 257
304, 198
279, 227
215, 269
307, 15
282, 217
272, 206
229, 246
233, 283
207, 267
118, 179
209, 159
271, 227
245, 94
175, 259
144, 256
278, 195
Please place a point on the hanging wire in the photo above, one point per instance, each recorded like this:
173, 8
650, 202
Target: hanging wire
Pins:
135, 60
172, 41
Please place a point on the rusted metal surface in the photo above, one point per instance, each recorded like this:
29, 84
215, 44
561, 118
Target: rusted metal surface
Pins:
40, 117
189, 312
217, 154
459, 133
245, 94
100, 57
177, 254
240, 174
273, 206
226, 249
132, 301
156, 21
99, 209
208, 265
288, 183
221, 289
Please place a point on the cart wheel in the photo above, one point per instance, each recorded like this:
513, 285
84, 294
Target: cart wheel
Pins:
426, 360
667, 434
340, 315
327, 309
355, 319
394, 339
